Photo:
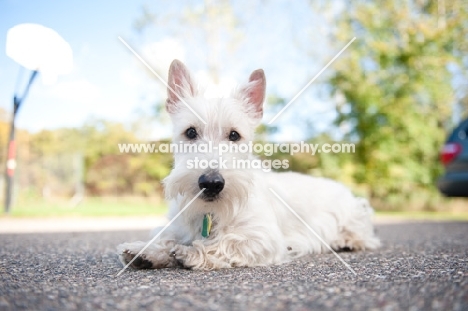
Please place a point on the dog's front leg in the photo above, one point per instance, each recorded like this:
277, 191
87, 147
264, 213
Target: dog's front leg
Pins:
208, 255
198, 257
155, 256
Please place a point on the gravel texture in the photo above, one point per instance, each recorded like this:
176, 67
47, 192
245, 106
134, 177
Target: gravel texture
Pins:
421, 266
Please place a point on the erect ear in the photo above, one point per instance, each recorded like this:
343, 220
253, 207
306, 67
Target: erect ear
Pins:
180, 85
254, 92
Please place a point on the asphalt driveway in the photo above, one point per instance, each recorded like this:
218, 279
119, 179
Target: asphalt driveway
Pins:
422, 266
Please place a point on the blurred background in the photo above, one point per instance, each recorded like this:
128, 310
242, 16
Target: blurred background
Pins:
396, 92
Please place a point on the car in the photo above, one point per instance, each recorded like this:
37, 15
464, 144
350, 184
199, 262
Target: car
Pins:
454, 157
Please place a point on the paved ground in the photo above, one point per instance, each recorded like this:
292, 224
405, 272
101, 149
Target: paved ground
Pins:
421, 266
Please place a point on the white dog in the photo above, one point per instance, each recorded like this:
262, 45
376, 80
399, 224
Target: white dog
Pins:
249, 225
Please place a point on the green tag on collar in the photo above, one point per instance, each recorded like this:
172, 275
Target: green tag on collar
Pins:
206, 229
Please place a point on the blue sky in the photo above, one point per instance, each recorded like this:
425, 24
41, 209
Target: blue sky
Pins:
99, 60
108, 82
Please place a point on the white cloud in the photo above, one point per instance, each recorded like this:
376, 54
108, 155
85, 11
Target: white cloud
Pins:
211, 90
74, 91
160, 54
132, 77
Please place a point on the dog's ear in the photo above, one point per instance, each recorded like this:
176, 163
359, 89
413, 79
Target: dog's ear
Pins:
254, 92
180, 85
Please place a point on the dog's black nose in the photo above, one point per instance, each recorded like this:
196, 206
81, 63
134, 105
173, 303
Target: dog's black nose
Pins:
212, 182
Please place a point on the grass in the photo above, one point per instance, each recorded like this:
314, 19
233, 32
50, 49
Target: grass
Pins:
121, 207
424, 215
90, 207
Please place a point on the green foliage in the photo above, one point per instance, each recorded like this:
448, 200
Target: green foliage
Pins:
106, 171
398, 94
29, 206
110, 172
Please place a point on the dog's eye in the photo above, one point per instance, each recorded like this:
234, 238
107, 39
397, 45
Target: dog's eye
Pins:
234, 136
191, 133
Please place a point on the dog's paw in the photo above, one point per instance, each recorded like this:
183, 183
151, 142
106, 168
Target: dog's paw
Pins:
197, 258
183, 256
139, 263
128, 251
155, 256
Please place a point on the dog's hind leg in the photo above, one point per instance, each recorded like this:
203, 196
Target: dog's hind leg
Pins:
358, 233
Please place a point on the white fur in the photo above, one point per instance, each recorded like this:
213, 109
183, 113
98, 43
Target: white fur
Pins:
251, 227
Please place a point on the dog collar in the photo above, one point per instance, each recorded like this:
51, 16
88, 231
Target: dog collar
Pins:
206, 228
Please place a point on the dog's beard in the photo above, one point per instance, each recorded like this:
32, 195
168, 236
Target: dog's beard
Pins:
182, 185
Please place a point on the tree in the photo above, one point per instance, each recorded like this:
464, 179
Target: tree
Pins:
207, 28
398, 93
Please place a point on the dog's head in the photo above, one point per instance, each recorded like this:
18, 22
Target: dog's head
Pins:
200, 121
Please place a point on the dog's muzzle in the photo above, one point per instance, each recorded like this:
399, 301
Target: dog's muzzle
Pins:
213, 183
